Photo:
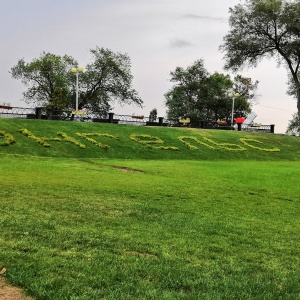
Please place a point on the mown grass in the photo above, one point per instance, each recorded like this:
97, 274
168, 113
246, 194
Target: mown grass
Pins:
123, 147
133, 222
89, 228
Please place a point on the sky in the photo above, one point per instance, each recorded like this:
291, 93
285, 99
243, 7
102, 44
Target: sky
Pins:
158, 36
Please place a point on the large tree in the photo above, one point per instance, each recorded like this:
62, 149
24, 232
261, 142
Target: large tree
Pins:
220, 87
48, 79
265, 28
107, 79
203, 97
190, 87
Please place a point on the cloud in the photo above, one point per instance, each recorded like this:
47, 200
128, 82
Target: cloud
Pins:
206, 18
179, 43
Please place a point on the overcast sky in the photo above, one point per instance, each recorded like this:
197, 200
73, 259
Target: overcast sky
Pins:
158, 36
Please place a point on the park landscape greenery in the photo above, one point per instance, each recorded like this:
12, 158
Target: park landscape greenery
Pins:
135, 220
258, 29
103, 211
50, 83
199, 96
266, 29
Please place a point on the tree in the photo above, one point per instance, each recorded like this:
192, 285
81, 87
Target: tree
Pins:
292, 89
59, 99
220, 103
51, 83
203, 97
188, 96
294, 126
217, 105
153, 115
46, 77
264, 28
246, 88
107, 80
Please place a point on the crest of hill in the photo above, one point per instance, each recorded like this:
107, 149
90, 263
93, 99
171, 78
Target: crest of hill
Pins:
98, 140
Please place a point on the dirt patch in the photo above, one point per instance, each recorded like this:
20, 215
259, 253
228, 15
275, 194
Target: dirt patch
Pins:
128, 170
8, 292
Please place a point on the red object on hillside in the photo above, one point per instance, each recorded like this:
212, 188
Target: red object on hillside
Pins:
137, 117
5, 107
239, 120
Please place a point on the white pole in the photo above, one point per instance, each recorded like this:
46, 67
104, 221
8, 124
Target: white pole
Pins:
76, 72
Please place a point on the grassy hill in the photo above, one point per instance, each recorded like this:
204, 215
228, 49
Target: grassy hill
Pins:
103, 211
97, 140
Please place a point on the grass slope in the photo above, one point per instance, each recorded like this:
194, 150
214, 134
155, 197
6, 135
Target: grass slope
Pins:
123, 147
85, 224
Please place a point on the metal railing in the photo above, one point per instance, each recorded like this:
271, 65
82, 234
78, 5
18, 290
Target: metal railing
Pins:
16, 112
42, 113
257, 128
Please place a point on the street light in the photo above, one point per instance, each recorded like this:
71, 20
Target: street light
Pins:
77, 71
233, 96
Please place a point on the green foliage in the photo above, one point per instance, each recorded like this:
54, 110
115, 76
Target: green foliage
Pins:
42, 141
248, 142
190, 86
203, 97
107, 79
47, 78
70, 140
153, 115
294, 126
246, 88
9, 139
59, 99
184, 139
100, 145
292, 87
227, 146
265, 28
151, 141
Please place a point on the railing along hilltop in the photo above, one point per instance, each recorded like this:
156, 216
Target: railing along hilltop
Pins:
49, 114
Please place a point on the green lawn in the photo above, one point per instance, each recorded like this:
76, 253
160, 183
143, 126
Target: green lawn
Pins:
103, 211
109, 141
90, 228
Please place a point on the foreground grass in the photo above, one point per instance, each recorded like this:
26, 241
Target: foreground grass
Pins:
112, 229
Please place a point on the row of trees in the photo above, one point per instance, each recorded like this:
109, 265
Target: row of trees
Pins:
258, 29
107, 79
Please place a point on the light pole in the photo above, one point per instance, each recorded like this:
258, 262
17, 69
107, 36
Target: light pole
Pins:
76, 71
233, 96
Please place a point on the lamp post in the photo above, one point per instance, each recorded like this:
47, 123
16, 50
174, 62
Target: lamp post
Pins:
233, 96
76, 71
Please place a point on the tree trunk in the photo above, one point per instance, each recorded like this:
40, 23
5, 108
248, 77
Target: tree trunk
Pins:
298, 100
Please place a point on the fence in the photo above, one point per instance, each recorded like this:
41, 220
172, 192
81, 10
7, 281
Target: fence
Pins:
257, 128
41, 113
17, 112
